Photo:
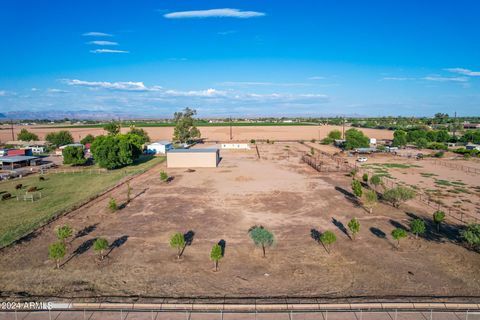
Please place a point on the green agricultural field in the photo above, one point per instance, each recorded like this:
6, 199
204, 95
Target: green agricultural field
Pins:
59, 191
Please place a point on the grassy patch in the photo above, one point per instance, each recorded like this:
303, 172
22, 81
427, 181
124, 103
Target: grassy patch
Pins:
458, 183
398, 165
427, 174
441, 182
60, 191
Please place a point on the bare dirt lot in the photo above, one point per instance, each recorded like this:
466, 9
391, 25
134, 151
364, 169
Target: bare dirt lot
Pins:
278, 192
211, 133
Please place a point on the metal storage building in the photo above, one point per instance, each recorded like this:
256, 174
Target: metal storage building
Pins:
193, 158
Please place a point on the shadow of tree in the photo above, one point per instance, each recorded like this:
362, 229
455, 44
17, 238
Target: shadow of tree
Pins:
117, 243
448, 231
188, 236
85, 231
378, 233
222, 243
397, 224
341, 227
348, 195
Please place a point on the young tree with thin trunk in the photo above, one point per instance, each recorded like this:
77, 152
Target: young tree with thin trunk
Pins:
357, 188
261, 237
370, 200
112, 204
376, 180
177, 241
129, 192
398, 195
100, 246
327, 239
216, 255
354, 227
399, 234
438, 218
64, 232
56, 252
417, 226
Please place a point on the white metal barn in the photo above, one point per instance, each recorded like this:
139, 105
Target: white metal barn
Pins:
159, 147
193, 158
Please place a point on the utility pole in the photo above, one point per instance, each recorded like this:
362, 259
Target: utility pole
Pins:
231, 135
11, 125
343, 128
455, 124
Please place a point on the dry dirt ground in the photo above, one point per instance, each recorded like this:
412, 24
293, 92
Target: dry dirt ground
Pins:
210, 133
278, 192
442, 180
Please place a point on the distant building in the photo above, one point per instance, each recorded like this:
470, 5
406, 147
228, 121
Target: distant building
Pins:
472, 146
59, 151
13, 162
159, 147
373, 142
471, 125
244, 146
193, 158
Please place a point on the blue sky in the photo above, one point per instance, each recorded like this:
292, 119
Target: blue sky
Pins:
240, 58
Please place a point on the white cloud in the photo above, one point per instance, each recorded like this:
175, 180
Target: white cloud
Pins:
255, 83
122, 86
34, 89
104, 43
226, 33
464, 71
54, 90
3, 93
108, 51
214, 13
97, 34
196, 93
398, 78
445, 79
316, 78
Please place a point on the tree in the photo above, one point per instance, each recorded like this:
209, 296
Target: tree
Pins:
112, 204
59, 138
56, 252
421, 143
26, 135
399, 138
73, 155
163, 176
216, 255
185, 130
438, 218
398, 234
144, 138
417, 226
100, 246
177, 241
112, 128
261, 237
397, 195
370, 200
335, 135
365, 177
355, 138
328, 238
354, 227
87, 139
64, 232
357, 188
471, 235
376, 180
115, 151
129, 192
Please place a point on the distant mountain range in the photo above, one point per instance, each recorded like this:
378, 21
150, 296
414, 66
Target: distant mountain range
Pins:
2, 115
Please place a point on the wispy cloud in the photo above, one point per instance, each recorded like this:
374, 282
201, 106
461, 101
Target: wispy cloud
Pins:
54, 90
445, 79
3, 93
97, 34
316, 78
103, 43
108, 51
398, 78
214, 13
226, 33
464, 71
257, 83
121, 86
197, 93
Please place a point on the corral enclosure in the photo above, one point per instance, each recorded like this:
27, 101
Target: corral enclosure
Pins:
276, 191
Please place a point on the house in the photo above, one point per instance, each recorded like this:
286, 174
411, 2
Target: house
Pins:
159, 147
193, 158
373, 142
364, 150
472, 146
12, 162
471, 125
59, 151
244, 146
16, 152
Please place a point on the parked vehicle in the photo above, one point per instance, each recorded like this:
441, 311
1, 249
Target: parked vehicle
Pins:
362, 159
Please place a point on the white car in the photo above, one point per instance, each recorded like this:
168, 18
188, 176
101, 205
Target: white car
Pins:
362, 159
